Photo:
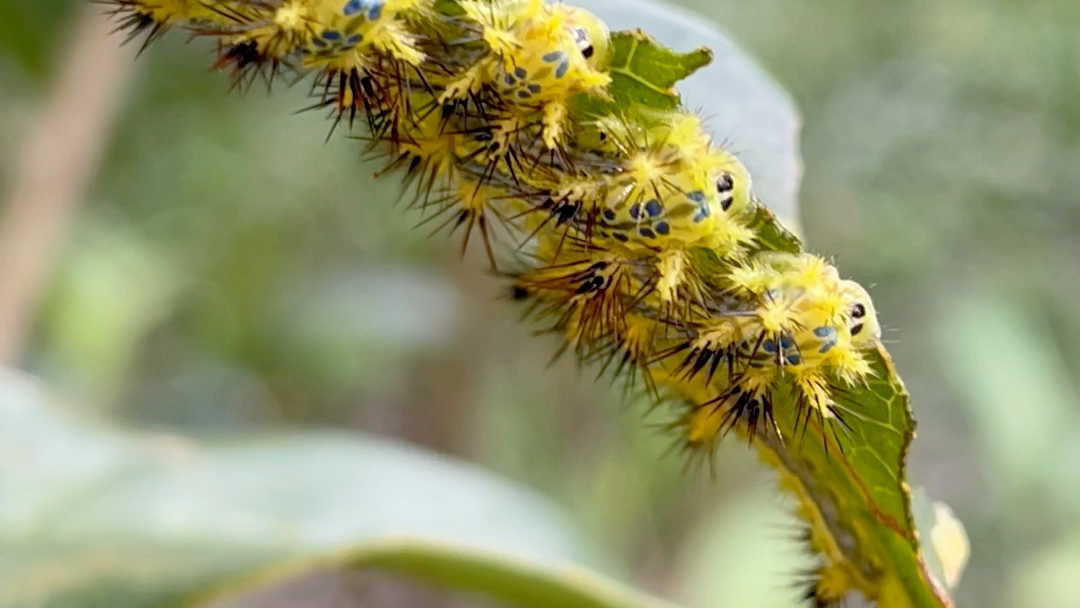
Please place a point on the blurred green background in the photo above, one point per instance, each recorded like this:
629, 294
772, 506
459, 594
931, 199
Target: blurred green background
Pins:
228, 270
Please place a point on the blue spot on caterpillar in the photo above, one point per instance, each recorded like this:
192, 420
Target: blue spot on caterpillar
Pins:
373, 7
653, 208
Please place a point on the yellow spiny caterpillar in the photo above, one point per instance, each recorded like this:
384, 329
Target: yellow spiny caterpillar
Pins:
630, 233
634, 234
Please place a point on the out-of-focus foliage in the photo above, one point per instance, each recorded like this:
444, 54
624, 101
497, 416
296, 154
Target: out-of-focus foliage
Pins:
97, 516
258, 278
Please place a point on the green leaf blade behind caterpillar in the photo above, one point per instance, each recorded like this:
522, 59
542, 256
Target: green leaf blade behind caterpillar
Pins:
645, 73
870, 470
643, 76
858, 490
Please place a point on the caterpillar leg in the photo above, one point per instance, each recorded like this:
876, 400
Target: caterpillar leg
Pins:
555, 113
460, 88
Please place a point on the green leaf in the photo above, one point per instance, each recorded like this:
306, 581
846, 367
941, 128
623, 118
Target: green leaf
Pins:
643, 72
771, 234
860, 495
95, 516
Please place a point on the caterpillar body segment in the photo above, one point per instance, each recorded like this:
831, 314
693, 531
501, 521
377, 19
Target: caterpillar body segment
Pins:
539, 56
319, 34
336, 37
153, 18
164, 14
666, 186
665, 202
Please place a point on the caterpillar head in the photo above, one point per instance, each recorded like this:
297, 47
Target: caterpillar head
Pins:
862, 317
590, 36
732, 183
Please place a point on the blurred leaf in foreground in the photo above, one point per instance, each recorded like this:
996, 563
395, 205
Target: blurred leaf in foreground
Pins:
93, 516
